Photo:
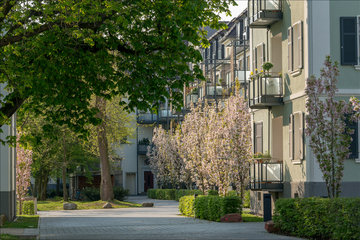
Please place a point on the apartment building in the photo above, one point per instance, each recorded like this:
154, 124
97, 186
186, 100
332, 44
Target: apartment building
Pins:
295, 36
224, 62
8, 169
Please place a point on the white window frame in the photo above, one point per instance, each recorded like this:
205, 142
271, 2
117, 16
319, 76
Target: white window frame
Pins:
357, 67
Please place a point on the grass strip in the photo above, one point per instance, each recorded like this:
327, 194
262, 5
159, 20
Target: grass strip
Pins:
23, 221
56, 205
12, 237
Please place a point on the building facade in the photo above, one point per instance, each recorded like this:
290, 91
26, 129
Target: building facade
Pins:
295, 36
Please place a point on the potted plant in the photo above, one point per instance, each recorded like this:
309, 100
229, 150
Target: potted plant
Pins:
267, 66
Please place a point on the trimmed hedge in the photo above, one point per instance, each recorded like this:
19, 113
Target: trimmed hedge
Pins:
319, 218
28, 208
209, 207
185, 192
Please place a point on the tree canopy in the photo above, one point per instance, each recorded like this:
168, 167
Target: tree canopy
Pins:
57, 54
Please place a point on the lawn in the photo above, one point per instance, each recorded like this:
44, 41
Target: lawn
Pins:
247, 217
12, 237
23, 221
52, 205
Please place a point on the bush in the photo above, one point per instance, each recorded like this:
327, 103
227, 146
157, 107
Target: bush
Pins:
209, 207
160, 194
120, 193
52, 193
170, 194
151, 193
186, 206
186, 192
319, 218
28, 208
213, 193
91, 194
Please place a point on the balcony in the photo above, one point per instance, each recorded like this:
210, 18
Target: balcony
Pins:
143, 148
191, 98
214, 92
265, 92
266, 175
166, 113
263, 13
146, 118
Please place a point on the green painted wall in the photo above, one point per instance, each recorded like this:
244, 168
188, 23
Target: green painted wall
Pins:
349, 78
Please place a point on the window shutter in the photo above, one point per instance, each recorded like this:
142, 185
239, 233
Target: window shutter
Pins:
254, 59
348, 41
300, 42
291, 152
301, 135
258, 137
222, 51
290, 62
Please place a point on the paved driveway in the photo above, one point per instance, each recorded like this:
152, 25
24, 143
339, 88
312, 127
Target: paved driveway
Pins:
160, 222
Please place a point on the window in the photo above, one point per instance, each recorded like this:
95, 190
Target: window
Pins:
350, 40
247, 63
258, 56
228, 78
296, 137
354, 146
295, 47
258, 137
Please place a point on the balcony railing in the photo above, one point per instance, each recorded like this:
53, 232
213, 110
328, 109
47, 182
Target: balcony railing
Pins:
213, 91
265, 91
167, 113
147, 118
266, 176
263, 13
143, 148
191, 98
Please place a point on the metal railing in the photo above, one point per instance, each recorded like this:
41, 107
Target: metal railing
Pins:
256, 6
262, 86
147, 118
191, 98
143, 148
266, 175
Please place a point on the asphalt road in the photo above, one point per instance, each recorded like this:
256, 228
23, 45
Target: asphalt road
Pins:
163, 221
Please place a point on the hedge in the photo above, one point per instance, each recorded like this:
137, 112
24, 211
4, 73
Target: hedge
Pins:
173, 194
28, 208
319, 218
209, 207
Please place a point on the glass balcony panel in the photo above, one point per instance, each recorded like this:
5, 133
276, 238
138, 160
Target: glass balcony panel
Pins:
240, 75
271, 85
213, 90
271, 172
147, 117
201, 92
270, 5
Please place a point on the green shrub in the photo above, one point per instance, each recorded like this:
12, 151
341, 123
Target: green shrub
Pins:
246, 203
213, 193
120, 193
91, 194
170, 194
232, 193
52, 193
186, 206
28, 208
319, 218
151, 193
186, 192
209, 207
160, 194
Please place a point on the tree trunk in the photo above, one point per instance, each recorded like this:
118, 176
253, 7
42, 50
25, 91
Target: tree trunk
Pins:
106, 189
65, 194
57, 186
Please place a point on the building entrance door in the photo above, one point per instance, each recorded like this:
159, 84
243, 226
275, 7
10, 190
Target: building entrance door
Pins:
148, 180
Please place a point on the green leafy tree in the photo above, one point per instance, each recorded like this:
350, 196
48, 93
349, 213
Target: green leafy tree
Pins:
53, 53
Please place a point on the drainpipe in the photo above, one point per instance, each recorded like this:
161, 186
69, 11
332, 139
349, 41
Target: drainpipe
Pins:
269, 128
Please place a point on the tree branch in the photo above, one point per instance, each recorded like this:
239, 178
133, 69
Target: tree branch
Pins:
10, 107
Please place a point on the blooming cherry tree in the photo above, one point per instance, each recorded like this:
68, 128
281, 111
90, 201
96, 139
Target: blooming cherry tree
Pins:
328, 135
23, 163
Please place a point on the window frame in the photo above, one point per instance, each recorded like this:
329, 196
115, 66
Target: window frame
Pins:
299, 133
292, 52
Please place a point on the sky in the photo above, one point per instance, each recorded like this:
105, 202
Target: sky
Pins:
235, 10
